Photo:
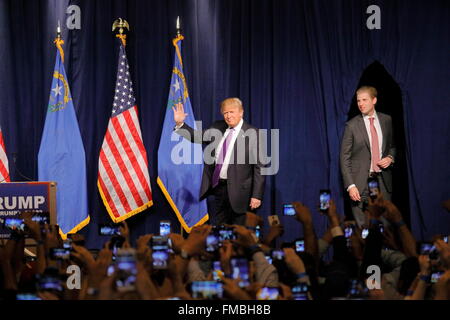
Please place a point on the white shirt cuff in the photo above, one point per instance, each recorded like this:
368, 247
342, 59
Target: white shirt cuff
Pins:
179, 126
351, 186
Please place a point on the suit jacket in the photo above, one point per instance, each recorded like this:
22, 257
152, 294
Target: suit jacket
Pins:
244, 179
355, 157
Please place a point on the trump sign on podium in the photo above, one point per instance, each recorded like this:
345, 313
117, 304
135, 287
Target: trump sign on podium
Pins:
18, 197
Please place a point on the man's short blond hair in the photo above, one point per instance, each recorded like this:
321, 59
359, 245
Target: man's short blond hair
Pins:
370, 90
235, 101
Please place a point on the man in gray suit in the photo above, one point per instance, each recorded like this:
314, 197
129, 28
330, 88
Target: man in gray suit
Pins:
367, 150
233, 174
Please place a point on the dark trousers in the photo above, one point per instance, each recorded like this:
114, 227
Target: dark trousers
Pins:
357, 207
223, 211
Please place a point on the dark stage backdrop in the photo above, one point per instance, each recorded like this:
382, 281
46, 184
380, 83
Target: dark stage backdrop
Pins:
294, 64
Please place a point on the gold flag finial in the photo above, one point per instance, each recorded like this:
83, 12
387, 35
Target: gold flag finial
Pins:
121, 24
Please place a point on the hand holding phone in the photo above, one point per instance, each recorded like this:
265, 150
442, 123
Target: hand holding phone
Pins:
324, 200
273, 220
288, 209
240, 270
126, 270
374, 187
160, 252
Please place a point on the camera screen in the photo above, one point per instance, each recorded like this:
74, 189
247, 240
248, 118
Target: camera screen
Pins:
164, 228
373, 187
15, 224
300, 245
269, 259
50, 283
160, 258
212, 242
160, 243
436, 276
59, 254
110, 270
109, 230
426, 248
27, 296
364, 233
300, 292
67, 244
41, 218
348, 231
357, 289
288, 210
258, 232
226, 233
325, 198
217, 269
207, 290
160, 254
277, 254
268, 293
126, 269
240, 270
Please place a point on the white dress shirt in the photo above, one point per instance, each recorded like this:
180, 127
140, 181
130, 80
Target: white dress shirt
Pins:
226, 161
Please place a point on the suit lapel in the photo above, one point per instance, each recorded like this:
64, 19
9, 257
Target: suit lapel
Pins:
240, 136
363, 131
383, 132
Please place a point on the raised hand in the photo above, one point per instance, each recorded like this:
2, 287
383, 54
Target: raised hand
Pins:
302, 213
253, 220
178, 114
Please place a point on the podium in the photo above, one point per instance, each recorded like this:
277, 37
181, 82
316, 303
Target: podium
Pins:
16, 197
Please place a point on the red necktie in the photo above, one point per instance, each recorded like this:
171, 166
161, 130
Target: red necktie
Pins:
375, 149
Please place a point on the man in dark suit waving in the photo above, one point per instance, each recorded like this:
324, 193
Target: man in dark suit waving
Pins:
367, 150
232, 170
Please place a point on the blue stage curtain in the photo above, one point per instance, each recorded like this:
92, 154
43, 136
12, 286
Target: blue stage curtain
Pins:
294, 63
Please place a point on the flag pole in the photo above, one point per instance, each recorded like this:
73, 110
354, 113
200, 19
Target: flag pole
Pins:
178, 26
59, 41
178, 35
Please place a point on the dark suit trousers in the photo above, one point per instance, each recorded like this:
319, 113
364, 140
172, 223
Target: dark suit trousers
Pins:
357, 207
224, 212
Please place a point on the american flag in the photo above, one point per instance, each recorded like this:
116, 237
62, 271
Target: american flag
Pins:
123, 178
4, 172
